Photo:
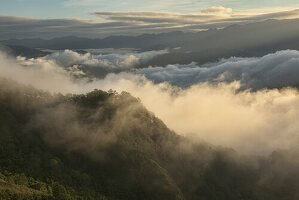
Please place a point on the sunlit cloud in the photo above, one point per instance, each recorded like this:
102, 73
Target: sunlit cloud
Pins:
215, 14
123, 23
267, 119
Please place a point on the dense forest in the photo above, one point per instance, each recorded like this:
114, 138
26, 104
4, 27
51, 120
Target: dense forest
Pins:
107, 146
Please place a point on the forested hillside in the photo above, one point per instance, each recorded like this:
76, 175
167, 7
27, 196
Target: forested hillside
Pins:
105, 145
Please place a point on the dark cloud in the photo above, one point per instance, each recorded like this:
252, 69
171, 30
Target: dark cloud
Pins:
133, 23
155, 17
19, 27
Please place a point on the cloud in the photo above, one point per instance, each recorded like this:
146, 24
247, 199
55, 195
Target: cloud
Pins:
61, 68
216, 10
99, 65
266, 119
41, 73
134, 23
107, 61
61, 124
156, 17
275, 70
211, 14
23, 27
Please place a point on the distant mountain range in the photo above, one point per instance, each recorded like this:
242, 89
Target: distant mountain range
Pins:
254, 39
16, 50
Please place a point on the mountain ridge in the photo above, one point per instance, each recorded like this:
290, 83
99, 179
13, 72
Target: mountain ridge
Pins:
206, 46
105, 145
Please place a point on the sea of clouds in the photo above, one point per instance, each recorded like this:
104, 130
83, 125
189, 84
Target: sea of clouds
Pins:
250, 104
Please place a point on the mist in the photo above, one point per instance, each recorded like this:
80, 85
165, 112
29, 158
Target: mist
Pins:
252, 122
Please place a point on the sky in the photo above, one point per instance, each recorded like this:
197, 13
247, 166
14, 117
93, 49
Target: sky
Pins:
102, 18
83, 8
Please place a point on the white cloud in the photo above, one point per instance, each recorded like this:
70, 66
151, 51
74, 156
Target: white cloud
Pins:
217, 10
275, 70
216, 14
107, 61
255, 122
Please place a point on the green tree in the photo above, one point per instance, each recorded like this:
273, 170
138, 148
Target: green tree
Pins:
59, 192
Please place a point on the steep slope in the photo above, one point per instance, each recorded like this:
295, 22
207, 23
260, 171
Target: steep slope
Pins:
104, 145
93, 144
19, 186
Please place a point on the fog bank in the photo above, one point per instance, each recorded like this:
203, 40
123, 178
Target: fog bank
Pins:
250, 121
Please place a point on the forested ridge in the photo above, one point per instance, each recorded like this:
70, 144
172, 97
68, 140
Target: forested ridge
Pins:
105, 145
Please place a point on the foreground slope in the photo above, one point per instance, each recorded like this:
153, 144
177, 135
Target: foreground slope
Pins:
91, 144
104, 145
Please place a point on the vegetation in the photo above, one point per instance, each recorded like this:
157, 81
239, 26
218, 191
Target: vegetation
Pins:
104, 145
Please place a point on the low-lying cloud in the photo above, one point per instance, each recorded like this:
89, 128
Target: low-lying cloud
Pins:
98, 65
218, 112
275, 70
111, 61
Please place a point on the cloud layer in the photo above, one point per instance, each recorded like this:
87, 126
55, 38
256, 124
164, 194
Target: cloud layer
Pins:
96, 65
275, 70
107, 61
266, 119
133, 23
